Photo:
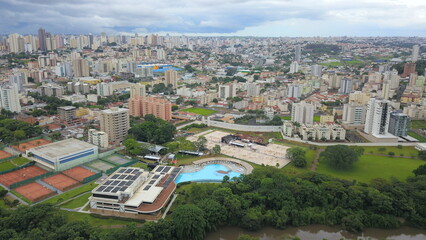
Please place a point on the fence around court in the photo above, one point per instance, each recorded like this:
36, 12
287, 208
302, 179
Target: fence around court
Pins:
17, 168
30, 180
111, 170
91, 178
8, 158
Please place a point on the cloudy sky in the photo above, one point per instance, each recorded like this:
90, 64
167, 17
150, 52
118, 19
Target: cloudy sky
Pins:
218, 17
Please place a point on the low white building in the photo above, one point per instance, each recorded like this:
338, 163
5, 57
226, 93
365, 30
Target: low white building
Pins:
98, 138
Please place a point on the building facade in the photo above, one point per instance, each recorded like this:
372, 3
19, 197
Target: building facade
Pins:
302, 112
399, 124
98, 138
115, 123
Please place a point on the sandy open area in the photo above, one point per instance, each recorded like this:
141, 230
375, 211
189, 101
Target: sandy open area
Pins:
268, 155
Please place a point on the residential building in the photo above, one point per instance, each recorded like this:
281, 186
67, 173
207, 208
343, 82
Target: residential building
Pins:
298, 53
171, 78
294, 67
137, 90
399, 124
159, 107
104, 89
9, 98
115, 123
98, 138
378, 116
346, 85
67, 114
415, 53
294, 90
253, 90
354, 113
302, 112
316, 70
227, 91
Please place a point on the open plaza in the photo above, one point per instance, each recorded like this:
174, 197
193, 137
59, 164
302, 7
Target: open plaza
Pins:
271, 154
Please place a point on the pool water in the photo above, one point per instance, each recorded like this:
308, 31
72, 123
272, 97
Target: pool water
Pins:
208, 174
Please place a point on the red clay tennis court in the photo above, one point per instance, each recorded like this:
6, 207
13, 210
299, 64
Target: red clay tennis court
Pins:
61, 182
8, 179
22, 147
34, 192
4, 154
78, 173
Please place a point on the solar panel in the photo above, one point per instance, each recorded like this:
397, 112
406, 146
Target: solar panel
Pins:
147, 187
101, 188
123, 189
122, 177
166, 169
129, 170
115, 182
115, 176
122, 183
155, 176
152, 182
122, 170
108, 189
108, 182
116, 189
159, 169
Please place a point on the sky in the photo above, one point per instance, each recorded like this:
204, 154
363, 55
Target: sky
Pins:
269, 18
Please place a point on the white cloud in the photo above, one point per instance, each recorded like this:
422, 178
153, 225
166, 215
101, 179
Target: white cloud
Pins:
249, 17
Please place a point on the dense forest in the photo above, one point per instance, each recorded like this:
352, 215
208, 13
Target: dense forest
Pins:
12, 130
265, 197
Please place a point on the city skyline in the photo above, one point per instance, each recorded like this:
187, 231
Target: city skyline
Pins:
223, 18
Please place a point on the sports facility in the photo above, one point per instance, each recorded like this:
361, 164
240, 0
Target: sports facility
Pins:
78, 173
100, 165
34, 192
8, 179
61, 182
117, 159
4, 154
22, 147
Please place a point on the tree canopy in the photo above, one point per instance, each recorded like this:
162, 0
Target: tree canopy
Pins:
153, 130
340, 156
297, 156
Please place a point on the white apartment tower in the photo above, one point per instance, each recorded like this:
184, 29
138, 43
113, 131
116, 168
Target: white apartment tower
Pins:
137, 90
302, 112
171, 78
294, 90
415, 53
346, 86
115, 123
294, 67
378, 115
98, 138
9, 98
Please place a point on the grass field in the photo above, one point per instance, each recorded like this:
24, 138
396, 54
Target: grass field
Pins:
71, 193
317, 118
369, 167
95, 221
286, 118
4, 166
20, 161
418, 124
291, 170
405, 151
140, 165
416, 136
78, 202
332, 64
200, 111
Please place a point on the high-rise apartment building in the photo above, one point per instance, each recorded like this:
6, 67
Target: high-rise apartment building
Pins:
42, 39
67, 114
294, 67
104, 89
399, 124
378, 116
316, 70
159, 107
294, 91
16, 43
298, 53
346, 85
302, 112
409, 68
137, 90
9, 98
80, 68
171, 78
415, 53
253, 89
115, 123
354, 113
227, 91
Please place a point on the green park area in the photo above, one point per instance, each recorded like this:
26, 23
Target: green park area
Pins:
286, 118
71, 193
398, 151
200, 111
77, 202
7, 165
369, 167
418, 124
417, 136
96, 220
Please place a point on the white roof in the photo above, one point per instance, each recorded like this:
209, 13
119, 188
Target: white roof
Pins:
140, 196
63, 148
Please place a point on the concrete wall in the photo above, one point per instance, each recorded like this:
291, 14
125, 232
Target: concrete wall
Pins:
240, 127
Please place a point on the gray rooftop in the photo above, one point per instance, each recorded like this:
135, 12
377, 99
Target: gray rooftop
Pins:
62, 148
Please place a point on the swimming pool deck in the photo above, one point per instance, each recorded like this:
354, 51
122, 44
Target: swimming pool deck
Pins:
224, 161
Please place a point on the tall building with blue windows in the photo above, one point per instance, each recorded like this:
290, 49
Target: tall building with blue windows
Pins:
64, 154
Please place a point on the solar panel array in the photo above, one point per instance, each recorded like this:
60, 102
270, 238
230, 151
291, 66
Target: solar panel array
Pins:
172, 176
120, 181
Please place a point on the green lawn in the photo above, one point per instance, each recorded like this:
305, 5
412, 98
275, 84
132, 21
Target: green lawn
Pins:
418, 124
369, 167
140, 165
6, 166
416, 136
97, 221
405, 151
332, 64
286, 118
200, 111
78, 202
290, 169
71, 193
317, 118
20, 161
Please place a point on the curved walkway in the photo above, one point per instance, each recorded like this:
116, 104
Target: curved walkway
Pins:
247, 166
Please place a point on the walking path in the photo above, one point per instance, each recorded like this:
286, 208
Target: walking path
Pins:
316, 160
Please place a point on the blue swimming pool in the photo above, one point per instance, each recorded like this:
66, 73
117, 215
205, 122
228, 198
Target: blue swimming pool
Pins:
210, 173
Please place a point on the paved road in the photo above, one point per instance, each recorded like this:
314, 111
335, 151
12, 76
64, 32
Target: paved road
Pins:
186, 124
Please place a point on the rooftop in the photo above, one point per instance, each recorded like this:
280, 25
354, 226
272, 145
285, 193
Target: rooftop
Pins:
64, 147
